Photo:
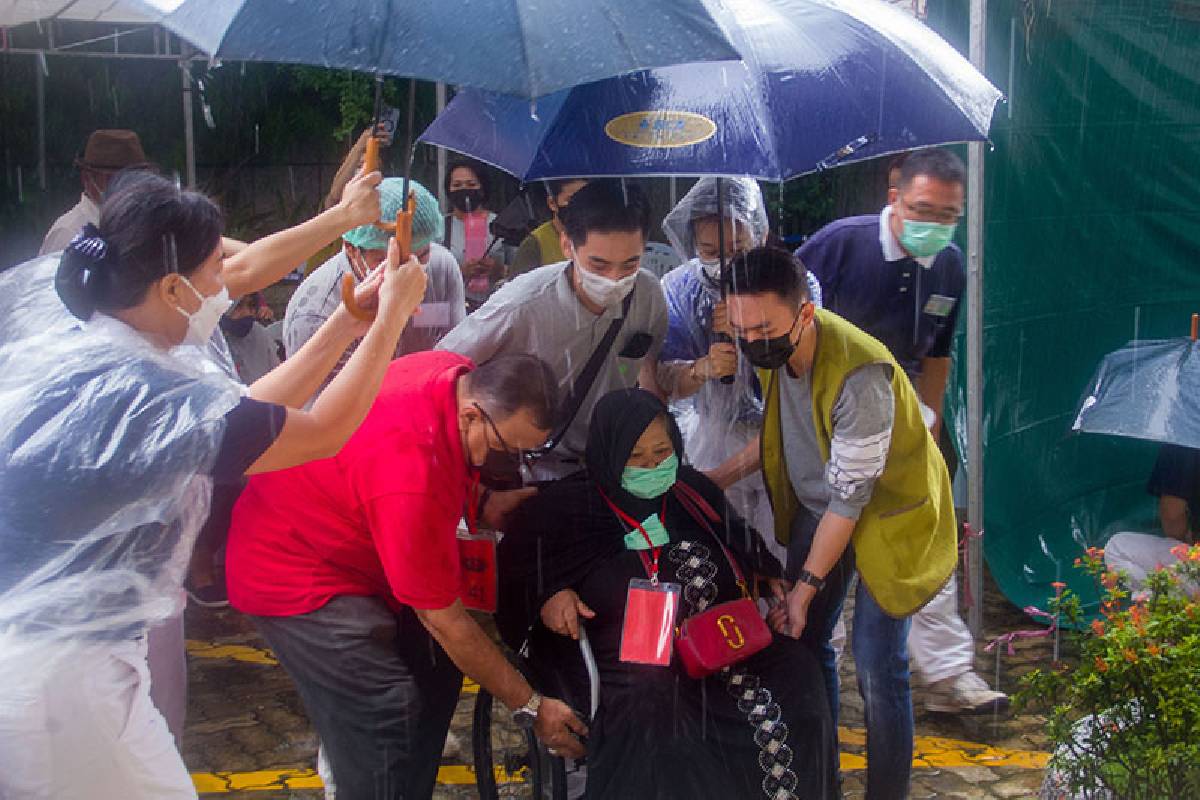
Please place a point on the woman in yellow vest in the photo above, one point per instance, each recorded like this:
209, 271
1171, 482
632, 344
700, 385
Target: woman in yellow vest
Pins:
855, 482
543, 246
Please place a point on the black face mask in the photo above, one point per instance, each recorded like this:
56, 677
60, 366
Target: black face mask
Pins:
466, 200
501, 471
771, 353
237, 328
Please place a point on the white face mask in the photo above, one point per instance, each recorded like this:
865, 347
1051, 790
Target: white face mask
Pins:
605, 291
712, 269
204, 320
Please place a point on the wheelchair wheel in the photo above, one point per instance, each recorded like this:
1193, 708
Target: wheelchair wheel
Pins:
546, 774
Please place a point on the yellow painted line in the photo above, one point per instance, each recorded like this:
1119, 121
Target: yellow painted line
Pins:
932, 751
929, 752
236, 652
277, 780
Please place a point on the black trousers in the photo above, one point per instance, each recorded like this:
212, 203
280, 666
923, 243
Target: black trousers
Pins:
377, 687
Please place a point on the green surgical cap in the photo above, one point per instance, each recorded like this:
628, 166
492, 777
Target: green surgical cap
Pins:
428, 225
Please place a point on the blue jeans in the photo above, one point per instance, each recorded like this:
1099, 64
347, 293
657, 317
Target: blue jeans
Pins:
880, 646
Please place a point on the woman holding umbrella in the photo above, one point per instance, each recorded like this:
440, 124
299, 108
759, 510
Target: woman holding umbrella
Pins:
116, 437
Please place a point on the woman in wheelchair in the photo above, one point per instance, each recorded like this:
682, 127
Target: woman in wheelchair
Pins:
617, 548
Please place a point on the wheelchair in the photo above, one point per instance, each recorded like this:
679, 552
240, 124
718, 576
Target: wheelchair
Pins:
547, 773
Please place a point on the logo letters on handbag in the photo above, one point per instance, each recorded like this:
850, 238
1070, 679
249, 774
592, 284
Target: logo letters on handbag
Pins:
729, 629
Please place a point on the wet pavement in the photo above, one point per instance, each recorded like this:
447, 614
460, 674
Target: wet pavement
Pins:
247, 736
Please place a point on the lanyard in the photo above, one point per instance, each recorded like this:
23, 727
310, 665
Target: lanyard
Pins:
651, 564
472, 509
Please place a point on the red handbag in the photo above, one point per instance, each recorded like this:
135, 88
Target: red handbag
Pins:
725, 634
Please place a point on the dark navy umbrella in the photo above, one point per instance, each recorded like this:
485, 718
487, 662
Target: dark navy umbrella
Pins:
522, 47
819, 82
1146, 390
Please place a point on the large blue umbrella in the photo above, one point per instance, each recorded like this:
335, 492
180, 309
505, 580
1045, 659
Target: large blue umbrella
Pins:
819, 82
522, 47
1146, 390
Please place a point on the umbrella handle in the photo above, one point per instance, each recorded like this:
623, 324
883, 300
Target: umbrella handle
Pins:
371, 155
403, 233
1195, 326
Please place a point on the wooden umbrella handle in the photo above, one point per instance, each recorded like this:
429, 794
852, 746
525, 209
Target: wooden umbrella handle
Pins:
371, 161
1195, 326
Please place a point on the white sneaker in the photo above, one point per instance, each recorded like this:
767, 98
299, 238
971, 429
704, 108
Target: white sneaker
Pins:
964, 694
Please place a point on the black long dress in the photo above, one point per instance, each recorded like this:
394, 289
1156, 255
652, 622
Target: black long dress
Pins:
761, 729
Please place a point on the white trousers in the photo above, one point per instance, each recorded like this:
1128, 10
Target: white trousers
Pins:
81, 726
1139, 554
939, 643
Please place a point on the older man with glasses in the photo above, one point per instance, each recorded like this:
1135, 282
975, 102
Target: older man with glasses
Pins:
898, 276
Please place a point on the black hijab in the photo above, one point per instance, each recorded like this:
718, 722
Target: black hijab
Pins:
618, 421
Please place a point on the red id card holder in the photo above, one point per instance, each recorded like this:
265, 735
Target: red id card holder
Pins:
648, 633
477, 559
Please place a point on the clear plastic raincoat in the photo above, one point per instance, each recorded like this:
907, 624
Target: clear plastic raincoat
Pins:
720, 419
105, 452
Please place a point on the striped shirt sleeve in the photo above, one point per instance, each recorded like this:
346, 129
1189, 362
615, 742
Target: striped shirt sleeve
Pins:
862, 433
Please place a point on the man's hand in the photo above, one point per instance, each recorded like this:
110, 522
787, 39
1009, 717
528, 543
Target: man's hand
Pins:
777, 616
798, 600
500, 505
562, 611
559, 728
360, 200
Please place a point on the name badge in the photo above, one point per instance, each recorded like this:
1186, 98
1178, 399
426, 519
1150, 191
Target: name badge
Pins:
648, 631
432, 315
939, 305
479, 588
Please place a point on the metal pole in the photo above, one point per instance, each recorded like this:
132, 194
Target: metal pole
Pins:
439, 92
40, 69
189, 134
975, 433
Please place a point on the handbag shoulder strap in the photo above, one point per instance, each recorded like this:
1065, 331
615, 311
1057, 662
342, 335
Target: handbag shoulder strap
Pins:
703, 513
587, 377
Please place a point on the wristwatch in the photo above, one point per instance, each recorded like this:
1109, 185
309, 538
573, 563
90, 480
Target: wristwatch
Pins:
527, 714
812, 580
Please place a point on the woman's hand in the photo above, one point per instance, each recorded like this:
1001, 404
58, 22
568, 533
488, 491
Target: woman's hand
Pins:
403, 286
562, 611
360, 201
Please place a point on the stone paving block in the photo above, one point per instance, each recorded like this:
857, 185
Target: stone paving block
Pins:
1025, 785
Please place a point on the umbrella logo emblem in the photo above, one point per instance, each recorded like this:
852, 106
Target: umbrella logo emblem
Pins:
651, 129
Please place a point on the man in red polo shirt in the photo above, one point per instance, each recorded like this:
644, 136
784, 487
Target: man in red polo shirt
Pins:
350, 568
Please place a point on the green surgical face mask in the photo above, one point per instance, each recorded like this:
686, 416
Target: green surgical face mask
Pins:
924, 239
648, 483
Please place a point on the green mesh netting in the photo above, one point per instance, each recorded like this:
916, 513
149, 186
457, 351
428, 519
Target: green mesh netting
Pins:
1092, 239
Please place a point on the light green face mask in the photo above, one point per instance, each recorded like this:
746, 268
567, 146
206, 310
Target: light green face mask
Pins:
651, 482
924, 239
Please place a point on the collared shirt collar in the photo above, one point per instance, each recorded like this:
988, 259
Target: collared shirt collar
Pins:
892, 251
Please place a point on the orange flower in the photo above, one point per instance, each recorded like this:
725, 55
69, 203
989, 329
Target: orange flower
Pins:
1109, 579
1194, 554
1098, 627
1101, 664
1180, 551
1058, 586
1154, 650
1130, 656
1139, 615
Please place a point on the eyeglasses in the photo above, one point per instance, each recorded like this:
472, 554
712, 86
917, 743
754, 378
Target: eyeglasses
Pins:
527, 457
924, 213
